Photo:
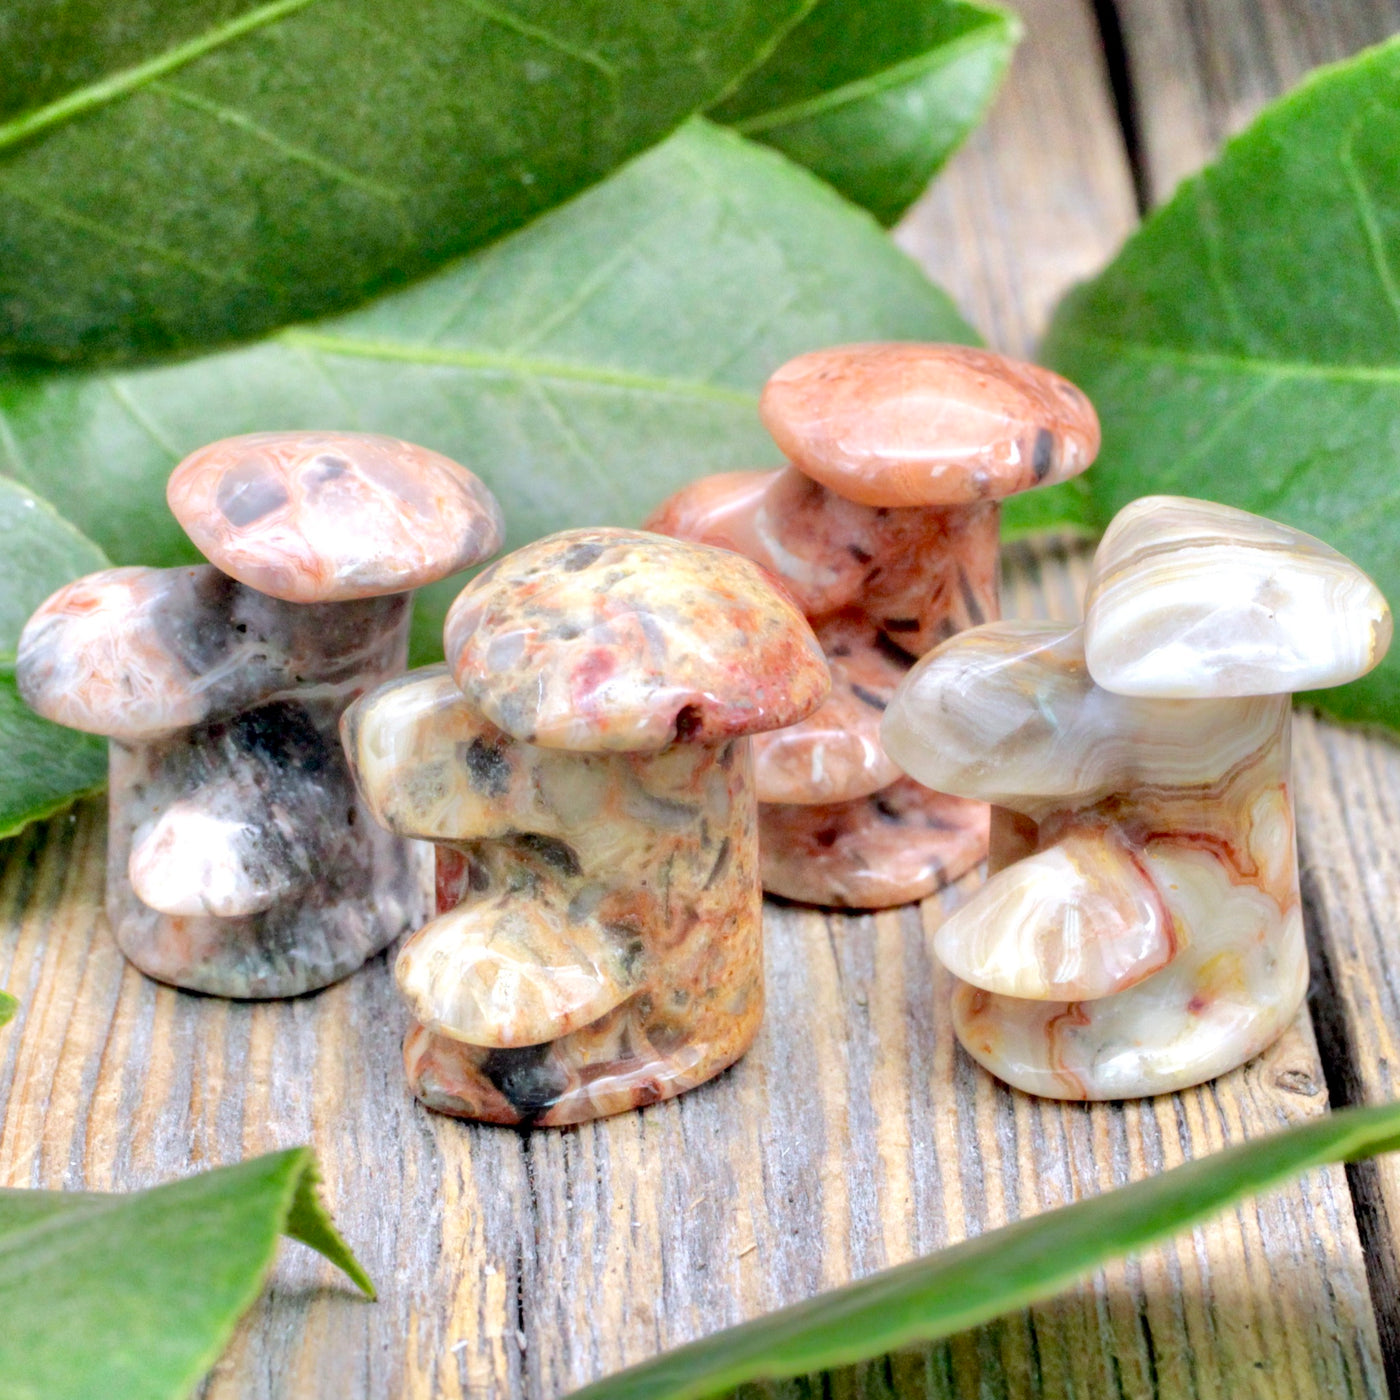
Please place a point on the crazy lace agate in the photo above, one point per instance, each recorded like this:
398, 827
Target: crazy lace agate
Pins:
884, 530
1140, 930
586, 773
241, 861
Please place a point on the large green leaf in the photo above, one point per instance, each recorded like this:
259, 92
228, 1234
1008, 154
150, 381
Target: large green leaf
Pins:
1245, 344
1006, 1269
875, 97
42, 766
133, 1297
8, 1007
585, 367
176, 175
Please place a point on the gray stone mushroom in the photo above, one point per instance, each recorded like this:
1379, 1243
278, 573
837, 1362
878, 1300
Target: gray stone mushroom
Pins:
241, 861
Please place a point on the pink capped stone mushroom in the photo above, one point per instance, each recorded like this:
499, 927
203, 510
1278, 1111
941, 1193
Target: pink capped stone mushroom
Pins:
586, 770
240, 859
884, 529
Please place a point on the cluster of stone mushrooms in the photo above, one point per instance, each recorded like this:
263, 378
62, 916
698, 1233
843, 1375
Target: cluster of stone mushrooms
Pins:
637, 731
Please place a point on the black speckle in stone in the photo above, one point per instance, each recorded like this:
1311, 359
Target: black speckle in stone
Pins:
1043, 458
326, 467
900, 624
283, 735
975, 615
556, 854
528, 1076
721, 862
249, 491
690, 721
892, 651
581, 555
886, 809
868, 697
487, 766
861, 556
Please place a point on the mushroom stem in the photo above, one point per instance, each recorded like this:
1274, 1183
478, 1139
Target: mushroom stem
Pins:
839, 824
241, 861
1218, 860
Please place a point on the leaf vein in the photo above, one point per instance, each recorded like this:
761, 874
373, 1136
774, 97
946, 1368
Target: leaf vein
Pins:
118, 85
1226, 363
1370, 219
230, 116
502, 362
931, 61
107, 233
543, 36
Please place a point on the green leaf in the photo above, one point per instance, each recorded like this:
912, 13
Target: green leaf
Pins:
133, 1297
8, 1007
41, 552
1245, 344
585, 367
1064, 509
875, 98
177, 175
43, 767
998, 1272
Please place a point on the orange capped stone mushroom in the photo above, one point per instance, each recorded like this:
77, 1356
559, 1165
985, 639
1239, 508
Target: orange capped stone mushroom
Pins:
885, 530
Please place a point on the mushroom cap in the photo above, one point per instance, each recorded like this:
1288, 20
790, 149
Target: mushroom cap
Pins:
1008, 713
319, 517
612, 640
97, 656
923, 425
1193, 600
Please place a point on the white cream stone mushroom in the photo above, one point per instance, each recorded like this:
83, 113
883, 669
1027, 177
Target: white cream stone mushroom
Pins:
240, 859
1140, 930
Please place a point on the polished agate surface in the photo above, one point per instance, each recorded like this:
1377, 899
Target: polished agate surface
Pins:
315, 516
587, 778
1194, 598
240, 860
884, 530
903, 424
1140, 930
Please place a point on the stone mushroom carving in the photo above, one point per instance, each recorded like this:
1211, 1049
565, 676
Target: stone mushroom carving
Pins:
240, 860
588, 777
884, 529
1141, 930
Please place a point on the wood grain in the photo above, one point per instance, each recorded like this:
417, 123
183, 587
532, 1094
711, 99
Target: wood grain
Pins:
854, 1135
1200, 69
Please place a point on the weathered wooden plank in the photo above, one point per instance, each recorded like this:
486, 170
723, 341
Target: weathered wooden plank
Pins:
1200, 71
1041, 194
854, 1135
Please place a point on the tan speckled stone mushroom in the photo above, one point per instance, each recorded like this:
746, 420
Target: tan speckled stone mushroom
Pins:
884, 529
588, 777
240, 860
